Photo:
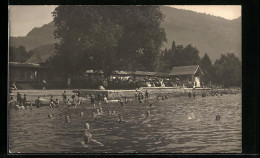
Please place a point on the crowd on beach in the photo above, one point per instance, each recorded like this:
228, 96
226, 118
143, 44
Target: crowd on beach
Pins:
124, 82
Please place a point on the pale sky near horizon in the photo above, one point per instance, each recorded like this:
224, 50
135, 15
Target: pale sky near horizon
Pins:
23, 19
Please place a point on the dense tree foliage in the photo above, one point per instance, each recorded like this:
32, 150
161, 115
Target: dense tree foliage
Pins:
178, 56
208, 69
18, 54
108, 37
228, 70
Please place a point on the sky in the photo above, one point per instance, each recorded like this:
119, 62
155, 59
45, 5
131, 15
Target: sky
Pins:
22, 19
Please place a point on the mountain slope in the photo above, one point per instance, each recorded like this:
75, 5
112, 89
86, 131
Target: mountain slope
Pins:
36, 37
41, 54
210, 34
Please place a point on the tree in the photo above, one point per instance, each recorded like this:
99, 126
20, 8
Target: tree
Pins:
107, 37
18, 54
207, 67
184, 56
228, 70
173, 47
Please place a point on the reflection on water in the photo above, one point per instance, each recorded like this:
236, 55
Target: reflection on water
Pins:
175, 125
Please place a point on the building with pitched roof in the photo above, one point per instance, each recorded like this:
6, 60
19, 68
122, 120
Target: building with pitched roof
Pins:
187, 74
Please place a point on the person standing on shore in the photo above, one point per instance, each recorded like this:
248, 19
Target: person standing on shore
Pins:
64, 96
51, 102
136, 95
146, 95
78, 94
38, 102
99, 97
19, 99
92, 99
24, 100
11, 103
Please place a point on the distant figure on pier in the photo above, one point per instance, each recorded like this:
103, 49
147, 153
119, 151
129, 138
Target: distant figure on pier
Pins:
64, 96
38, 102
194, 94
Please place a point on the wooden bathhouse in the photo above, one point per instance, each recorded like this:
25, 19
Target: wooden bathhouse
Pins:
187, 74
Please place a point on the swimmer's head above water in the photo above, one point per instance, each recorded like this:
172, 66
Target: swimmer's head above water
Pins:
148, 113
86, 126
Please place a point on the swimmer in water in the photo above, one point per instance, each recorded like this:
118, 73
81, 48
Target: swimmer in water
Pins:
101, 110
67, 119
98, 112
50, 116
93, 114
88, 137
218, 117
120, 119
147, 113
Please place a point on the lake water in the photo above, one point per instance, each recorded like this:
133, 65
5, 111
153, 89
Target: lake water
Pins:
176, 125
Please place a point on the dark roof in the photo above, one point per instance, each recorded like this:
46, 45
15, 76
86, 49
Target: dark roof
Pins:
144, 73
162, 74
123, 73
18, 64
185, 70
